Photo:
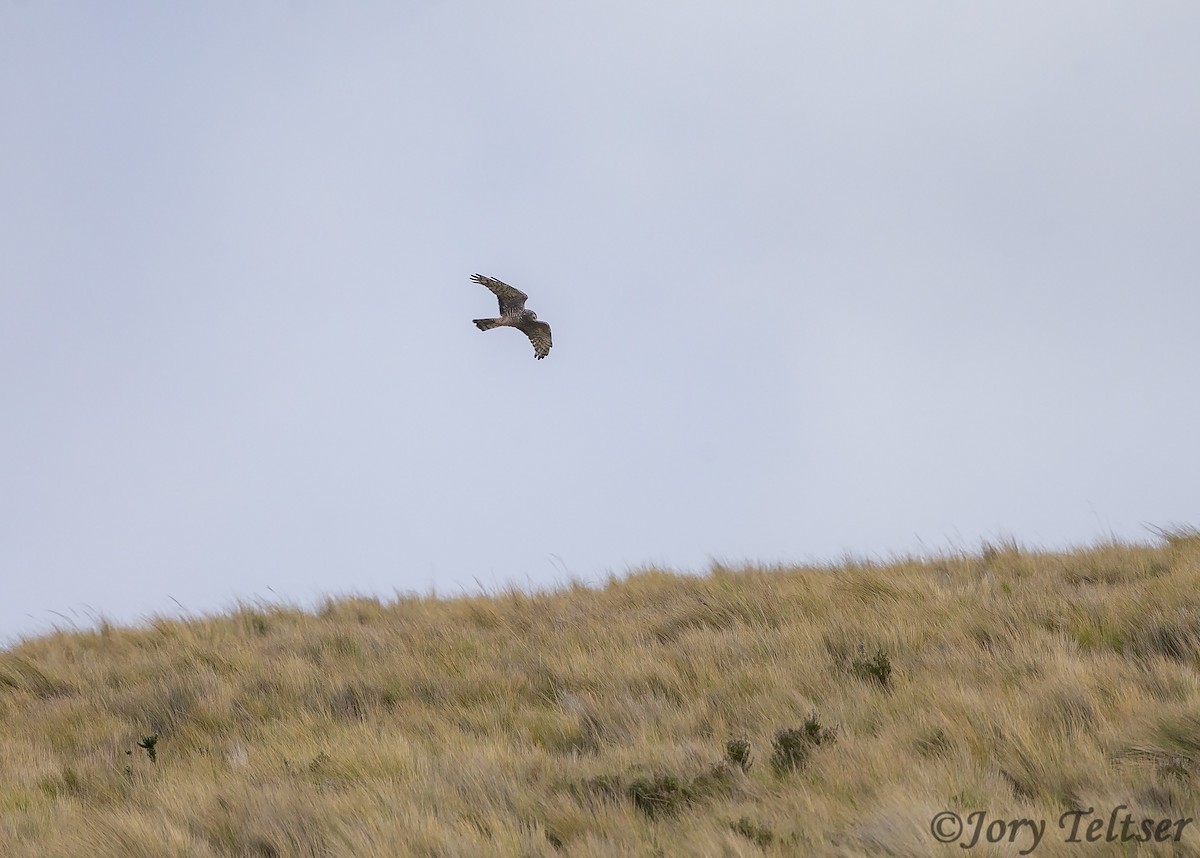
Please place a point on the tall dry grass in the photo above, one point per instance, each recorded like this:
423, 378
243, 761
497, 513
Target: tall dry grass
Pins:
783, 711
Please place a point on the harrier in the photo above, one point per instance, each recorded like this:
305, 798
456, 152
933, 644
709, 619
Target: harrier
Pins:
514, 315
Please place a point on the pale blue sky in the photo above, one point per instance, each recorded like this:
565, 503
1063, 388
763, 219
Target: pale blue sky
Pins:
831, 278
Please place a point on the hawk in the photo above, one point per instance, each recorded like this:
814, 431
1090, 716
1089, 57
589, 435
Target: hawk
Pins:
514, 315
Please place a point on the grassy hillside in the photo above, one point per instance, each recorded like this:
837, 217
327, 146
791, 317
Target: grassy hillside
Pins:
788, 711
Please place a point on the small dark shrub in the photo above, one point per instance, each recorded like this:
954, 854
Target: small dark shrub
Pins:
877, 668
793, 747
737, 752
148, 744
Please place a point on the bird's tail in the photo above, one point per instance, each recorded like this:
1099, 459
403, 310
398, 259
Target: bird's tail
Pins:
486, 324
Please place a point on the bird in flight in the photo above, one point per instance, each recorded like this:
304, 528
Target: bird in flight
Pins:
514, 315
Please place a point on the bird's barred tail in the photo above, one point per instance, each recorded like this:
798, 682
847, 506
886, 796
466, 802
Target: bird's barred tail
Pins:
486, 324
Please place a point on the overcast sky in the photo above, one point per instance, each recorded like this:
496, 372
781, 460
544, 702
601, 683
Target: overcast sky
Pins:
824, 279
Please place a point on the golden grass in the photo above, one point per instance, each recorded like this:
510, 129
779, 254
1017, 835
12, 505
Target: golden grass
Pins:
596, 721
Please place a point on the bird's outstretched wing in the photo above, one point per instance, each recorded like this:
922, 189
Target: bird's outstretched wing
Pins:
512, 299
539, 335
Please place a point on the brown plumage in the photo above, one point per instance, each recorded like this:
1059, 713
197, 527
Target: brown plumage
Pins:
514, 315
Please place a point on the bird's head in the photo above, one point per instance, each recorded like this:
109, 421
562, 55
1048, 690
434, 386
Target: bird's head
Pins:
532, 316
